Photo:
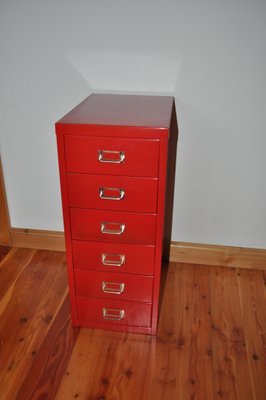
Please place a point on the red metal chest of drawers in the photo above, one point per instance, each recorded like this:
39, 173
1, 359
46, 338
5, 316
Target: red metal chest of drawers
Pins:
117, 167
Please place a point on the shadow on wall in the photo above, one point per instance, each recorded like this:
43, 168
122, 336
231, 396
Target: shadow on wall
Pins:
111, 71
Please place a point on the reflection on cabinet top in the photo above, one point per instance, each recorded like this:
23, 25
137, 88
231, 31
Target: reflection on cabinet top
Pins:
122, 110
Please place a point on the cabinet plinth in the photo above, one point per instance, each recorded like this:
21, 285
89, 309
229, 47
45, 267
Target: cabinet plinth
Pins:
117, 167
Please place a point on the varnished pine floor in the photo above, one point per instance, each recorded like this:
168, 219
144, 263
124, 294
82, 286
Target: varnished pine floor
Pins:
211, 341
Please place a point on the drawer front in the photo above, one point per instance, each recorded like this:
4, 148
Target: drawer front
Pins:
113, 257
111, 226
114, 286
112, 156
127, 313
112, 192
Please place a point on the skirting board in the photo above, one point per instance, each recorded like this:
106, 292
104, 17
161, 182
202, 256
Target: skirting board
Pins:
38, 239
223, 256
191, 253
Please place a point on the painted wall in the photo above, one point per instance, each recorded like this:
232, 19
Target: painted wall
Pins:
209, 54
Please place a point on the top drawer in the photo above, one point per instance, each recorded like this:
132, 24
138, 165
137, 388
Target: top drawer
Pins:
112, 156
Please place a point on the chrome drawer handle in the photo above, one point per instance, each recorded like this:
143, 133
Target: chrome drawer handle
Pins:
114, 260
117, 228
118, 195
113, 157
112, 314
113, 287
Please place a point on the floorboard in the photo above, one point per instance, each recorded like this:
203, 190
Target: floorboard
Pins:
11, 267
210, 344
3, 252
252, 298
29, 309
231, 375
51, 360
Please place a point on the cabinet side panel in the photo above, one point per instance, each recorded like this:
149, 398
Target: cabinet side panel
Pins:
170, 184
67, 228
159, 228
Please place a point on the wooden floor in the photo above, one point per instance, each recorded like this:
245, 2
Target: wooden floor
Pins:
211, 341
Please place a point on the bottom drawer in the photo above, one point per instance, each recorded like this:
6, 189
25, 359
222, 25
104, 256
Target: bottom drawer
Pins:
113, 312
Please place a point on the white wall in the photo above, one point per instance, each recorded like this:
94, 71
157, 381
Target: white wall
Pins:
209, 54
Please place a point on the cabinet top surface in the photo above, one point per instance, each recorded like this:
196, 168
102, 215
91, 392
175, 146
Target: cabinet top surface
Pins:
122, 110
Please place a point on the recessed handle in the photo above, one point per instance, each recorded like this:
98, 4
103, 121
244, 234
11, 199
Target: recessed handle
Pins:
106, 193
114, 260
113, 314
113, 287
113, 228
110, 156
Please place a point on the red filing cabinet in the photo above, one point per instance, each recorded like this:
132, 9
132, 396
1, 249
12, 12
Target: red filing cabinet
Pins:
117, 167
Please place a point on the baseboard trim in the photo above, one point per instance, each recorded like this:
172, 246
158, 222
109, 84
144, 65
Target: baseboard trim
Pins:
191, 253
216, 255
38, 239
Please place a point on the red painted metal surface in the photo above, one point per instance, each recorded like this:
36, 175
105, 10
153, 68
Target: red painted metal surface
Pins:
104, 192
122, 110
113, 257
116, 286
90, 313
112, 226
114, 171
118, 156
64, 195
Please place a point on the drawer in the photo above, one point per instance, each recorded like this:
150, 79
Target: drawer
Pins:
112, 156
112, 192
111, 226
113, 257
114, 286
100, 311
